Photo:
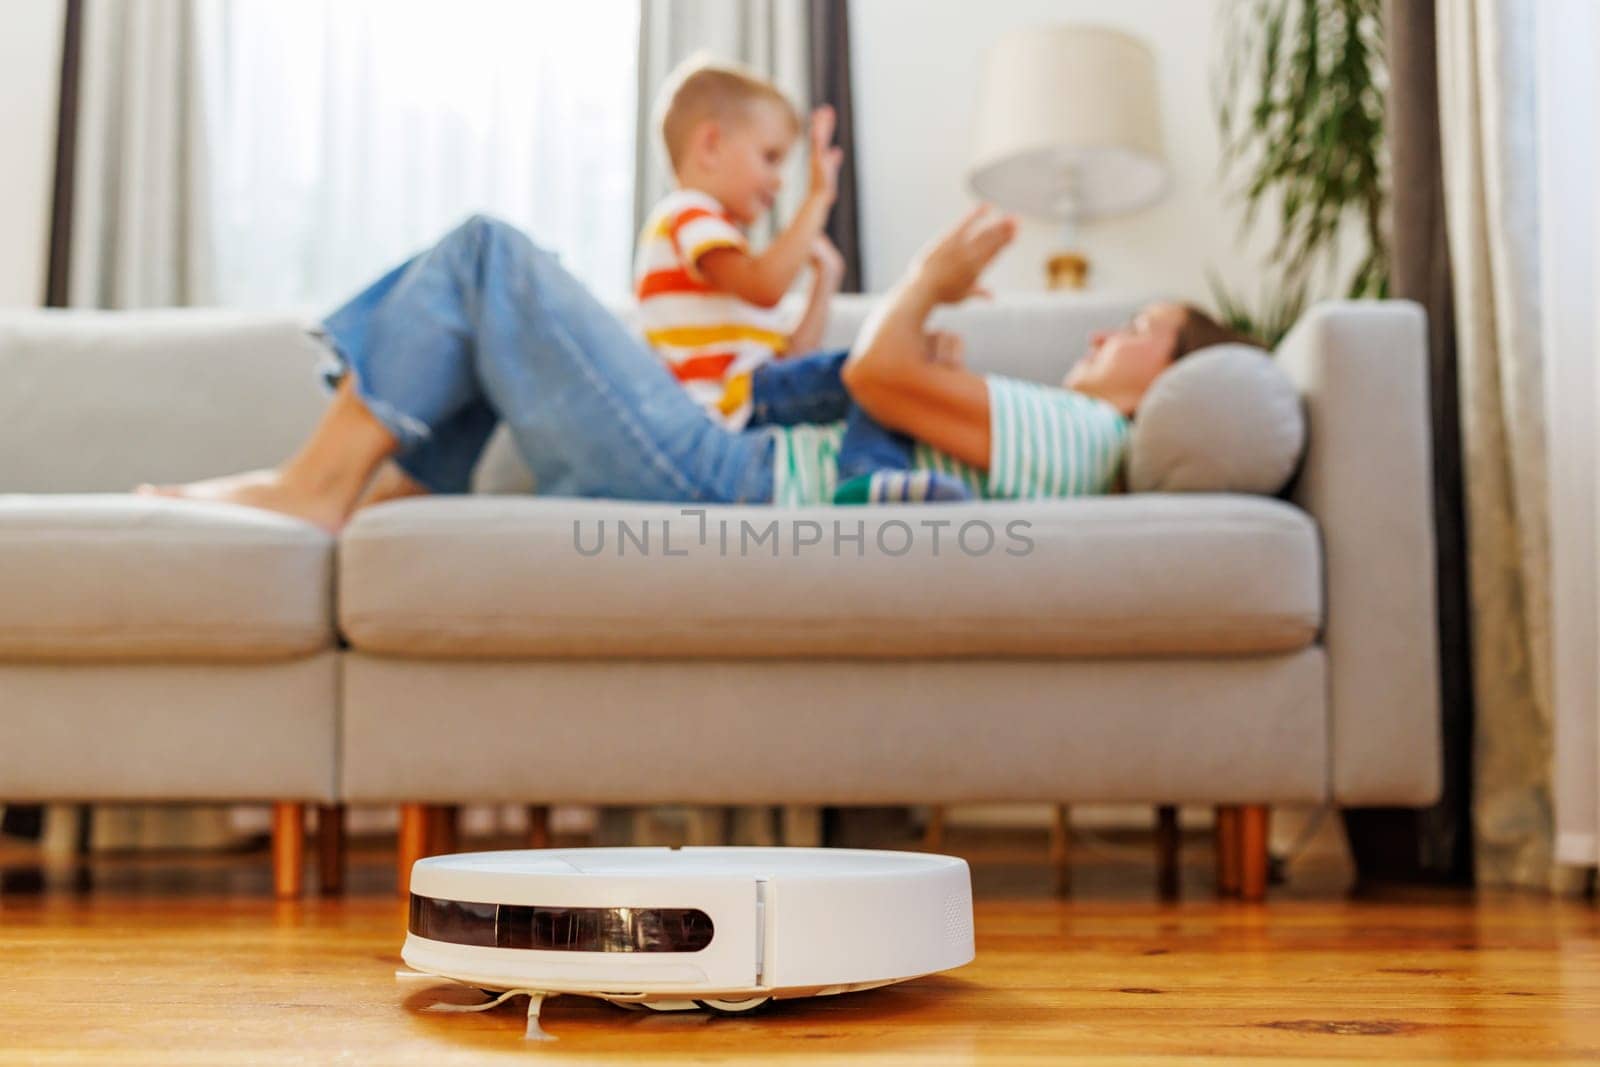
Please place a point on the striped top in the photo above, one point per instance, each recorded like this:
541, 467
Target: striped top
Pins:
710, 340
1043, 442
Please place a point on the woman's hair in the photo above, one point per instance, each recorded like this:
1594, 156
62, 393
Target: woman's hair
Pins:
1198, 330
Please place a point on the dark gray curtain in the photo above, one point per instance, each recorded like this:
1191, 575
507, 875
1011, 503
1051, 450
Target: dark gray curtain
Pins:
66, 157
1434, 843
830, 84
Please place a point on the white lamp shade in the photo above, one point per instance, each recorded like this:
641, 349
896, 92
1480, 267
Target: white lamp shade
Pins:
1069, 124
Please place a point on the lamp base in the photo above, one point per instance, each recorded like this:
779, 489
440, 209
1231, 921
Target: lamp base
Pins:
1067, 270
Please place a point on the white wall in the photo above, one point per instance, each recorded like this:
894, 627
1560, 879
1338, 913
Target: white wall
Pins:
916, 66
30, 64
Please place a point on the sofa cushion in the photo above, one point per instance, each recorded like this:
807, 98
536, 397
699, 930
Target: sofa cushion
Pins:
120, 577
527, 577
1224, 420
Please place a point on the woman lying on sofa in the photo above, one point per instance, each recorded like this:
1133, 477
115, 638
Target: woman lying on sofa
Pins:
485, 326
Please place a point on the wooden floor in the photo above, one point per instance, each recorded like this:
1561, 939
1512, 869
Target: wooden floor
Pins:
160, 962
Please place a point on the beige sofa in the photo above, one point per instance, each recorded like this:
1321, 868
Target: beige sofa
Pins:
1214, 649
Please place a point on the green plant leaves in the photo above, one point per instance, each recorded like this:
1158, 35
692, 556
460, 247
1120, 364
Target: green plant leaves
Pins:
1310, 75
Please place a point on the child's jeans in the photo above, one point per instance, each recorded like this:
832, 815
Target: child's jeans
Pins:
802, 389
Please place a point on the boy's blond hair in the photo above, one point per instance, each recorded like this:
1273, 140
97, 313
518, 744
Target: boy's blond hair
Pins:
701, 88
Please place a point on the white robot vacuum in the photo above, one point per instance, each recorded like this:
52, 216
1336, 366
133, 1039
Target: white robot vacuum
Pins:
675, 929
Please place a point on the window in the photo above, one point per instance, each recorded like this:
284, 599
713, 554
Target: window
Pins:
345, 135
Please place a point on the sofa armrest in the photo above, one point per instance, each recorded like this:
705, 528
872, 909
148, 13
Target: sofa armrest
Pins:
1367, 480
99, 401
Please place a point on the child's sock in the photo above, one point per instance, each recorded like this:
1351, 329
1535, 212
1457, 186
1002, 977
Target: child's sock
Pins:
902, 487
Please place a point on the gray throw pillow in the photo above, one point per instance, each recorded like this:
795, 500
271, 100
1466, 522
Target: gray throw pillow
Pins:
1225, 419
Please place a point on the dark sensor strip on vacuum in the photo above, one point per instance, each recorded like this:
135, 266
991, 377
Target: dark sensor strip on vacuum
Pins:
461, 922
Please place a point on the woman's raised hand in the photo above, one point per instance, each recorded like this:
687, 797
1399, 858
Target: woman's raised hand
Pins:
948, 269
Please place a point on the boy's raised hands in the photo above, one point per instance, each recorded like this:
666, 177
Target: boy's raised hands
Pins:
826, 259
826, 156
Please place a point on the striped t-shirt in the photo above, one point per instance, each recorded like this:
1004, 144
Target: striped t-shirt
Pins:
1043, 442
710, 340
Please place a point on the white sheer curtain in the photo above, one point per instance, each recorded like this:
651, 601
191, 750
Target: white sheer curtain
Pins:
1521, 132
1488, 106
344, 135
1569, 193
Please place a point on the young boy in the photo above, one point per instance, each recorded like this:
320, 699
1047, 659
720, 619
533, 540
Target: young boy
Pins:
709, 305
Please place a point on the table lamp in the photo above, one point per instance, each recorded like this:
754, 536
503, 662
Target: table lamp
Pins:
1068, 130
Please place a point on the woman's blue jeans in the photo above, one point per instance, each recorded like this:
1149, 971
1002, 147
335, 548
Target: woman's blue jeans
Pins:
484, 326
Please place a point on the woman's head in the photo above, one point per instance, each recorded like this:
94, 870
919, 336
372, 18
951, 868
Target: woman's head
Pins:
1122, 364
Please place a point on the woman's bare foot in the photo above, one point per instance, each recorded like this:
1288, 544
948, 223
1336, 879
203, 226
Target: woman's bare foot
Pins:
266, 489
321, 482
390, 483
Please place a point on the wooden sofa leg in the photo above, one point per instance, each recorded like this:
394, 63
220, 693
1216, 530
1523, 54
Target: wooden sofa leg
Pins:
801, 825
1227, 847
1253, 820
330, 849
412, 845
1061, 849
288, 850
933, 832
1167, 851
444, 821
538, 826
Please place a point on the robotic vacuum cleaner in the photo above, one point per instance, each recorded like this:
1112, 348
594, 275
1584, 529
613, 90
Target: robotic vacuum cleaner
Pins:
674, 929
